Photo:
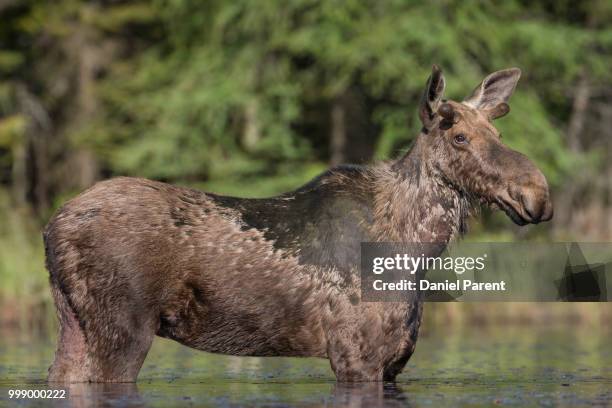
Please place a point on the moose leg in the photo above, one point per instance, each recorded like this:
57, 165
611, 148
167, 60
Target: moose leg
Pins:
356, 344
350, 364
373, 342
408, 335
361, 357
99, 343
398, 363
119, 348
71, 362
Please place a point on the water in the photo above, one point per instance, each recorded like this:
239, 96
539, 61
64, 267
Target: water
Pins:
513, 366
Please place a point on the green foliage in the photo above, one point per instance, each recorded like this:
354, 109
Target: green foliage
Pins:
24, 294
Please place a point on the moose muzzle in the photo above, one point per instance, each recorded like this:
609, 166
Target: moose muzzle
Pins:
526, 196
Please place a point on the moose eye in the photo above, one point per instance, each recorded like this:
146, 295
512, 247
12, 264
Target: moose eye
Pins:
460, 138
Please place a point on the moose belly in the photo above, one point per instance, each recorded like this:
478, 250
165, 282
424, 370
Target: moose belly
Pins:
234, 313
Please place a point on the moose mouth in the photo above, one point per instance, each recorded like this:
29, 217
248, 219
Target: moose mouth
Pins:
510, 210
512, 213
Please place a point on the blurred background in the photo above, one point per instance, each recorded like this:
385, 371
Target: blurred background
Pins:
255, 98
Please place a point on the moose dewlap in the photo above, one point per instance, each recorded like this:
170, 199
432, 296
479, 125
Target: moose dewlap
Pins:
132, 258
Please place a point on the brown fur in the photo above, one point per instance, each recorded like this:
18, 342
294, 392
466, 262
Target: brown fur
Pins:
133, 258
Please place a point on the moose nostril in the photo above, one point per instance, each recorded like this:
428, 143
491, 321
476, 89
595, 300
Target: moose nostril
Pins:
532, 206
548, 211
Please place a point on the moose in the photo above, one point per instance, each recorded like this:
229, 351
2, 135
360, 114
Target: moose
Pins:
132, 258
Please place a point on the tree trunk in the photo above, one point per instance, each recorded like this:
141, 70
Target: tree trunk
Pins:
352, 135
252, 128
338, 132
564, 201
32, 183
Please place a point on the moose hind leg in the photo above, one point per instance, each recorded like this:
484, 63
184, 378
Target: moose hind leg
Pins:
71, 362
100, 343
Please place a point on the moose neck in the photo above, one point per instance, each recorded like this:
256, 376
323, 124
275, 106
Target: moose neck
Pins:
415, 204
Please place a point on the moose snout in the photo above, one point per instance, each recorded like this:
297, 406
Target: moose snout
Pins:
537, 205
532, 201
526, 196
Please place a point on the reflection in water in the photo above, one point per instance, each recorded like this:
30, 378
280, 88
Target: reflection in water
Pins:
366, 395
359, 395
103, 395
513, 366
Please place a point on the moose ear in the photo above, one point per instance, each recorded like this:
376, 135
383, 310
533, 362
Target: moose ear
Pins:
432, 96
494, 89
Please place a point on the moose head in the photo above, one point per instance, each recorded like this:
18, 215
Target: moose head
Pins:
465, 150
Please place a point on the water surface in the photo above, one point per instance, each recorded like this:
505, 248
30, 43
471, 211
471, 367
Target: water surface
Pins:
509, 366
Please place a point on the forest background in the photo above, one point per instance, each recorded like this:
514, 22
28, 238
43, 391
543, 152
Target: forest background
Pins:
253, 98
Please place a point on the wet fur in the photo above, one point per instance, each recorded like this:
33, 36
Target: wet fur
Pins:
131, 258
